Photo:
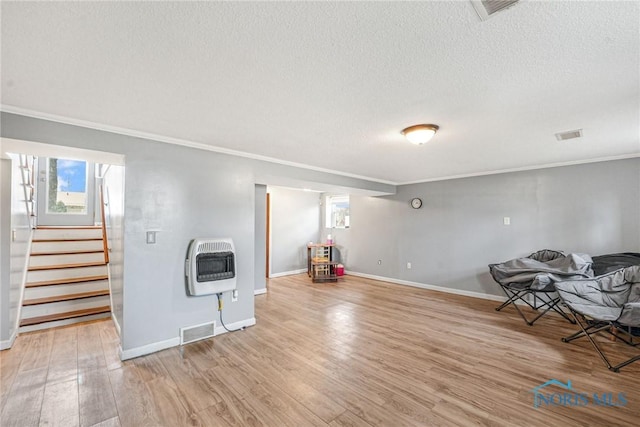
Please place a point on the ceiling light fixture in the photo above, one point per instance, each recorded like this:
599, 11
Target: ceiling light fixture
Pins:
420, 134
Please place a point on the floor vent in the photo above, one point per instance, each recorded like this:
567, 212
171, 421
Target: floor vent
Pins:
487, 8
197, 332
563, 136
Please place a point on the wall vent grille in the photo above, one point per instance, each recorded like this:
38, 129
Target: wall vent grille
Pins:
487, 8
563, 136
215, 247
197, 332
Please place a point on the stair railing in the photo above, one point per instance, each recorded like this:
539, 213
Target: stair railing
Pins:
28, 174
105, 241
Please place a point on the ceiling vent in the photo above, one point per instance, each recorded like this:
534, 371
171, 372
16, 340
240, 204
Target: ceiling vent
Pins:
563, 136
487, 8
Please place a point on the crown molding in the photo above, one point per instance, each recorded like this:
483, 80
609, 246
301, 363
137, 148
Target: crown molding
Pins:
177, 141
525, 168
201, 146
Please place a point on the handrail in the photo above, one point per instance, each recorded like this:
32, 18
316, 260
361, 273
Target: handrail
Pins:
105, 244
27, 174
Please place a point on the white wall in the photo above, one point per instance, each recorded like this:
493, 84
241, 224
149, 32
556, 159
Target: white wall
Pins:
260, 280
15, 251
114, 197
295, 219
5, 242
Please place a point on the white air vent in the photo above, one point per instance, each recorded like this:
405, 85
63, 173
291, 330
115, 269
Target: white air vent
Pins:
486, 8
197, 332
563, 136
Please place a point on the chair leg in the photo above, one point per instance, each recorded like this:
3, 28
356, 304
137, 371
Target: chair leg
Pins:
595, 328
625, 363
512, 297
557, 307
587, 330
548, 304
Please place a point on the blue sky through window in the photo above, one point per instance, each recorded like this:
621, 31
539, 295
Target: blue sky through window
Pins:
72, 175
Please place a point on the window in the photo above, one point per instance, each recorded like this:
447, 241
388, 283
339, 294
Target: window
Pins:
337, 214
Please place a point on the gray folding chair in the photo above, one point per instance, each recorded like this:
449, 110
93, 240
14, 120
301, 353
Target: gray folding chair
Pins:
541, 299
600, 304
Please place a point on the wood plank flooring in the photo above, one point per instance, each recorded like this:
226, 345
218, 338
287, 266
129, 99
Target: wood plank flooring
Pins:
356, 353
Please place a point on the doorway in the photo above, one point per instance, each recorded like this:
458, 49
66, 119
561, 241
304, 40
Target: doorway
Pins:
110, 168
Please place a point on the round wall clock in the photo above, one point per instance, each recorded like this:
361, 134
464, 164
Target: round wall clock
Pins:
416, 203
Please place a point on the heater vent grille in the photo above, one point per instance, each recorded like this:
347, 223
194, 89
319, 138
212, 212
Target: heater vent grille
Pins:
215, 247
197, 332
487, 8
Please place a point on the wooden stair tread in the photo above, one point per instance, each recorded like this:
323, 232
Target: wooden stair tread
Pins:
66, 281
68, 240
68, 297
79, 252
62, 266
63, 316
73, 227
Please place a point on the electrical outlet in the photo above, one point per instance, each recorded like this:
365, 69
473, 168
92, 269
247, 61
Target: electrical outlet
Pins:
506, 220
234, 295
408, 266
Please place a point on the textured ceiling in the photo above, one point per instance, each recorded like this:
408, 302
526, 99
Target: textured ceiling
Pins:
331, 85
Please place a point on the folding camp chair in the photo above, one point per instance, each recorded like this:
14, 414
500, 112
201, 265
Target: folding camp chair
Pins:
602, 304
544, 299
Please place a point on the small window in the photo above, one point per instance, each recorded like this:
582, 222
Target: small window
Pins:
337, 215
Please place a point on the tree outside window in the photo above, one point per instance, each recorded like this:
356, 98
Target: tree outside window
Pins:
337, 213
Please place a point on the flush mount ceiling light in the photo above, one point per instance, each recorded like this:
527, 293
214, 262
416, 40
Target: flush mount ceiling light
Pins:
420, 134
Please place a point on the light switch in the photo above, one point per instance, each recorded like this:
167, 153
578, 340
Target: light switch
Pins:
506, 220
151, 237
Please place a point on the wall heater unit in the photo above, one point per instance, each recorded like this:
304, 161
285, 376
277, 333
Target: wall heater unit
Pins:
210, 266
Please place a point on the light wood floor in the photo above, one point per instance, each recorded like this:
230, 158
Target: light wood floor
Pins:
358, 353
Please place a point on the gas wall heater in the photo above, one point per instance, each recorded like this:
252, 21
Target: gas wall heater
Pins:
210, 267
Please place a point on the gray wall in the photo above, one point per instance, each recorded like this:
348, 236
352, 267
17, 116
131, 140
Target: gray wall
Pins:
295, 216
183, 193
592, 208
114, 197
260, 281
14, 252
5, 242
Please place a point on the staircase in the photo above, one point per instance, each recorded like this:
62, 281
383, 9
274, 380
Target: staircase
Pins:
67, 279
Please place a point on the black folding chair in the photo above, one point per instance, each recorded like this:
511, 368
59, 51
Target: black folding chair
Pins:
544, 299
605, 304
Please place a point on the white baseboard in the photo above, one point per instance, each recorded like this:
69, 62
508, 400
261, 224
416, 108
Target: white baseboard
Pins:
148, 349
260, 291
6, 344
174, 342
287, 273
116, 324
235, 325
431, 287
